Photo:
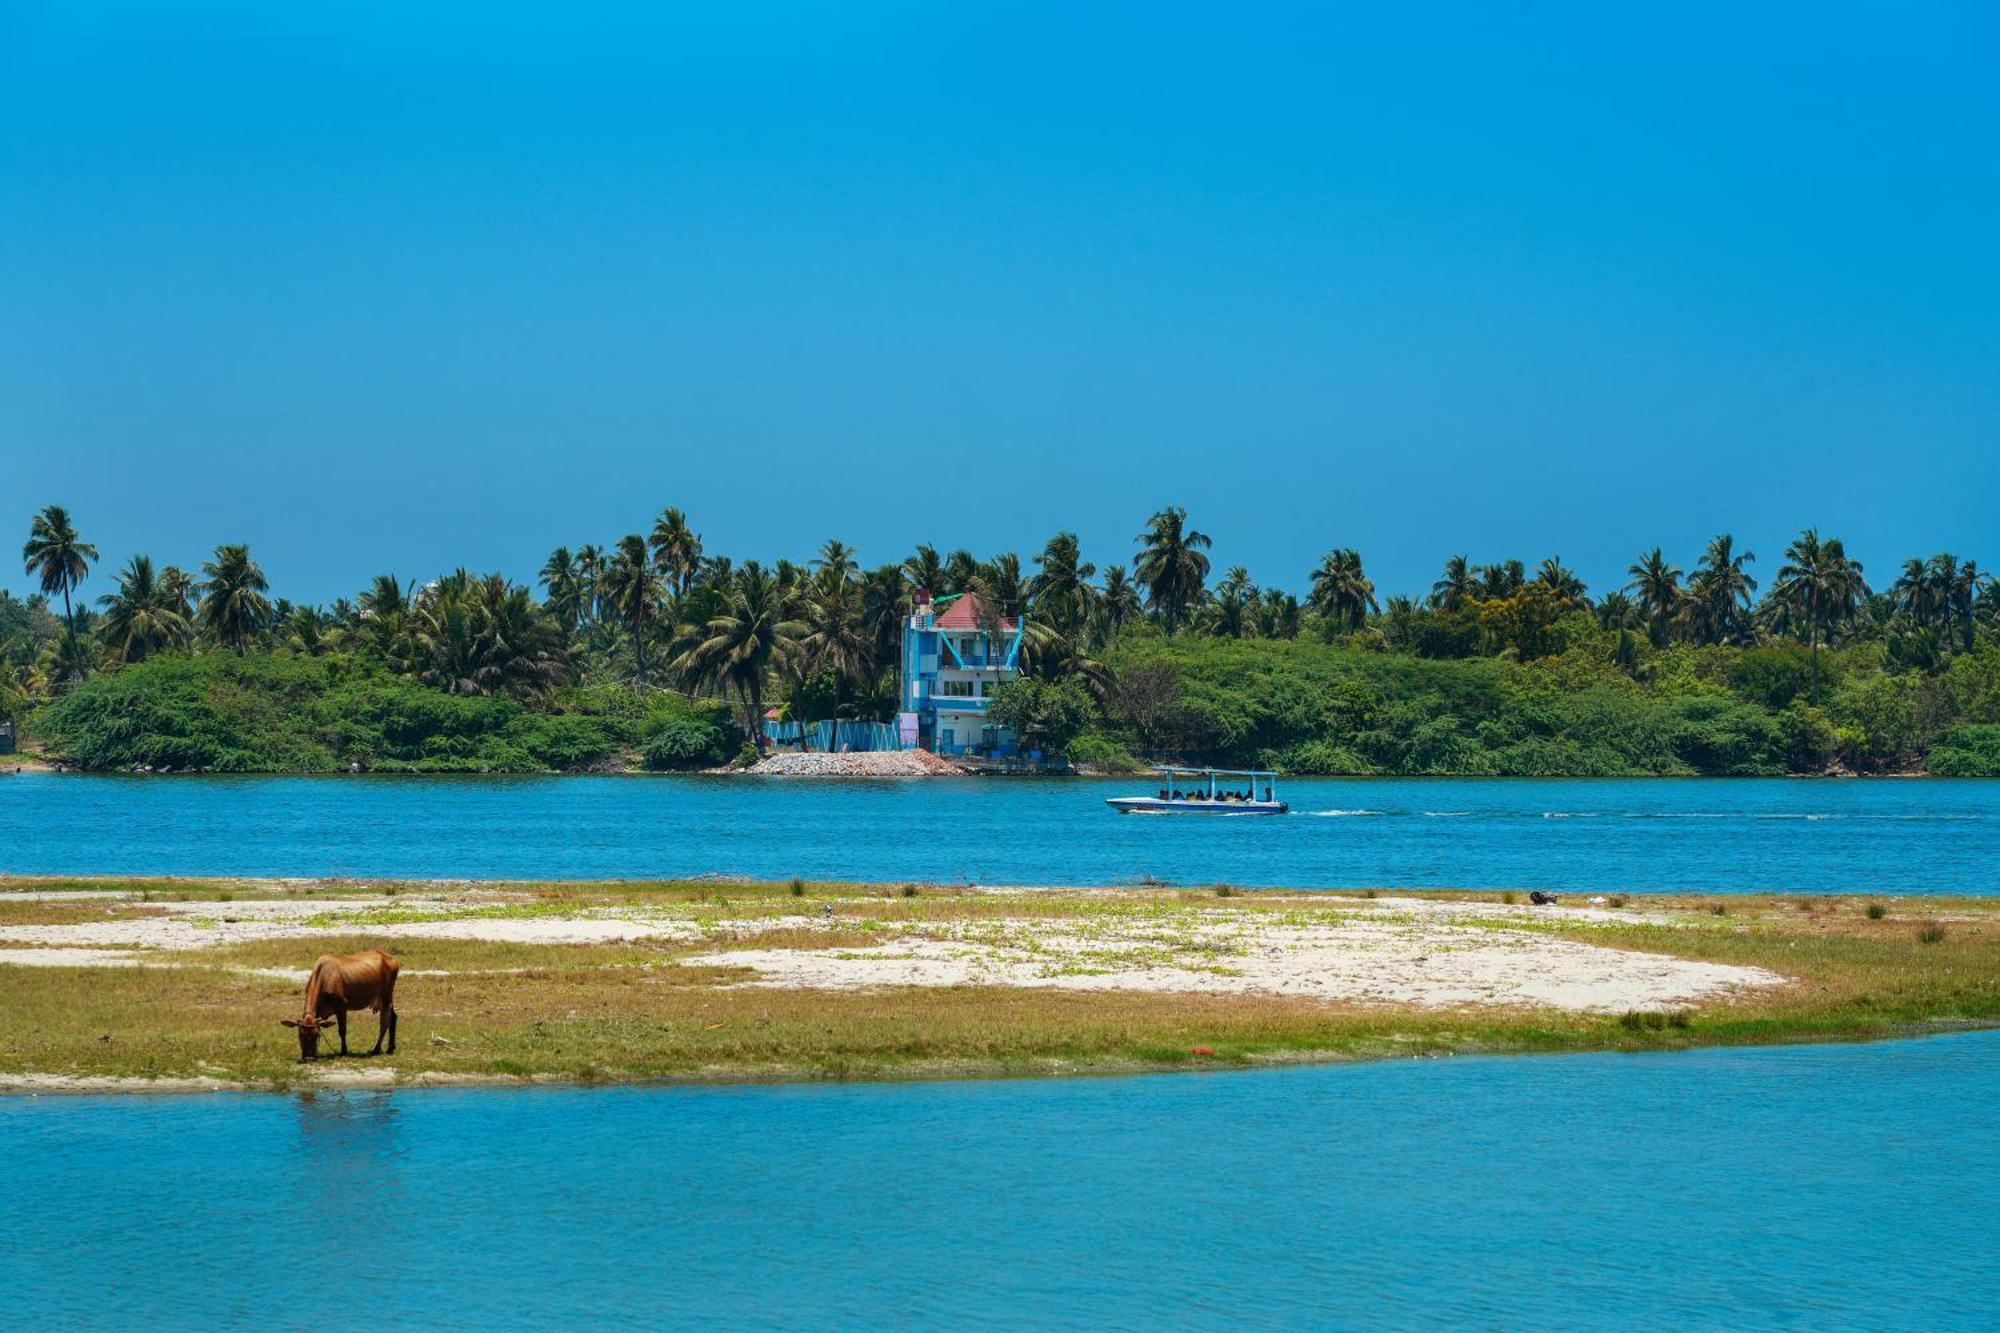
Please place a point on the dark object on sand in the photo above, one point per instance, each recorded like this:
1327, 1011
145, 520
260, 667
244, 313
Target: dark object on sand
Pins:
1540, 899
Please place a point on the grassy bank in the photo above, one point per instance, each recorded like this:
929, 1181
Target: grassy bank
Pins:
663, 995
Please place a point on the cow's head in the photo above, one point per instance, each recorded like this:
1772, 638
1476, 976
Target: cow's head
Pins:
309, 1030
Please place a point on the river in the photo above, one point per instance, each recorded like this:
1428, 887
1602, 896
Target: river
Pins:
1724, 835
1801, 1187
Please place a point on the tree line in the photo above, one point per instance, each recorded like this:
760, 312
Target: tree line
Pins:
657, 610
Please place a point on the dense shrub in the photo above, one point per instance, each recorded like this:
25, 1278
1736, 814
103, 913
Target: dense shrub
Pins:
685, 735
1102, 753
1310, 707
1968, 751
271, 713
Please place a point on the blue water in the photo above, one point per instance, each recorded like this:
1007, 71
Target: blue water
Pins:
1889, 836
1806, 1187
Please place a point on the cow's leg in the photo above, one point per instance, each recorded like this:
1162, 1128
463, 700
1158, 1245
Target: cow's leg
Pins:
392, 1031
381, 1029
341, 1017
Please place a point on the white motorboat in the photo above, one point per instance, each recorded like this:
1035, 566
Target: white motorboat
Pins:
1207, 791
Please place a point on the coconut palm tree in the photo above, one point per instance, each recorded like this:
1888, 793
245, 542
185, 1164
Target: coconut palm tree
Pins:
1819, 585
631, 590
177, 590
1001, 589
1942, 572
1561, 580
1119, 600
1341, 593
924, 569
310, 631
1656, 582
1061, 593
1913, 593
233, 604
563, 583
960, 569
1233, 605
1458, 586
1964, 595
140, 618
836, 562
1171, 565
1719, 593
1501, 580
590, 566
59, 560
676, 550
833, 638
752, 637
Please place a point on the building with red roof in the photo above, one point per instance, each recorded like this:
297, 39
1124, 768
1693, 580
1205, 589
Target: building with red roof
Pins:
956, 651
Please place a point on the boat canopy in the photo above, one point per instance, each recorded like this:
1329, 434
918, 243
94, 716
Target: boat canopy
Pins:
1214, 772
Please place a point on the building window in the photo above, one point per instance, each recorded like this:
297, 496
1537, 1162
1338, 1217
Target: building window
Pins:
955, 689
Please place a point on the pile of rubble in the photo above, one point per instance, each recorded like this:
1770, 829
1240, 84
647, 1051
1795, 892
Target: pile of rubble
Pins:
865, 764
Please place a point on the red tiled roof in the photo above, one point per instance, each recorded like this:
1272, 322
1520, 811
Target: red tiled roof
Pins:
966, 611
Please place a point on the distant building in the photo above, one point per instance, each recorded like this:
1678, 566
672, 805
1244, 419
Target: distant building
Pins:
6, 736
955, 653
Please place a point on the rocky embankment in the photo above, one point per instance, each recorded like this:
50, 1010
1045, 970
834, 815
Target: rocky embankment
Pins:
869, 764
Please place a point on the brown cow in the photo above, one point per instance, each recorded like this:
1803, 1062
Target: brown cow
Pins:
340, 982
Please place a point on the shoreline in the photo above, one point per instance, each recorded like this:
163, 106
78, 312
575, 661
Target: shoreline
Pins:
31, 1085
153, 984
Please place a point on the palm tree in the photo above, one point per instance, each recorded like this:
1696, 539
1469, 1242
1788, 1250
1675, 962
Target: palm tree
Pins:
924, 569
960, 569
1657, 583
836, 561
1561, 580
484, 635
310, 631
1501, 580
745, 643
1061, 593
1000, 586
1341, 593
1458, 586
1719, 593
60, 560
564, 584
233, 604
1820, 585
590, 567
676, 550
1119, 601
139, 618
1171, 566
885, 604
177, 593
1963, 593
1234, 598
631, 589
833, 638
1943, 575
1913, 592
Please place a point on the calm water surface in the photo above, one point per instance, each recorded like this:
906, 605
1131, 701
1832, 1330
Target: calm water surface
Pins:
1908, 836
1809, 1187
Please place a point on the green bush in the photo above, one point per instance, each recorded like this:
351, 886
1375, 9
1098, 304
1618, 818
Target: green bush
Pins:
1097, 751
274, 713
1968, 751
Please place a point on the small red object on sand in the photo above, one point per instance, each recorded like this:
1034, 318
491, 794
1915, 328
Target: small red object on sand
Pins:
1202, 1050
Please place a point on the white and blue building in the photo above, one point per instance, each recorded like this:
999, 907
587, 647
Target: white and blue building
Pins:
955, 654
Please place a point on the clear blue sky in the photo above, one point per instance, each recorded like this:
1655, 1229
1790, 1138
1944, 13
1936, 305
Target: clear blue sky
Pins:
388, 287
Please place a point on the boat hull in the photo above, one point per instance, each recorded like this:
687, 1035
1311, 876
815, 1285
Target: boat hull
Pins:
1153, 805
